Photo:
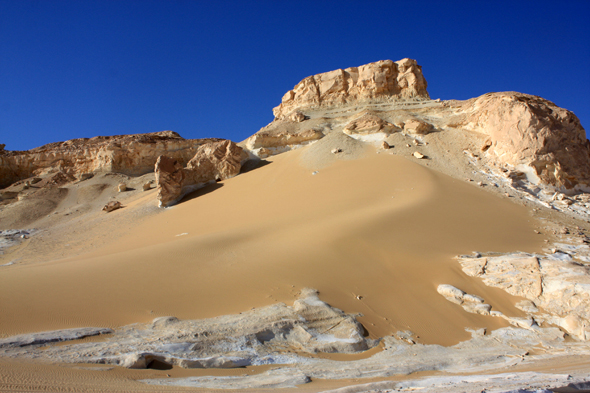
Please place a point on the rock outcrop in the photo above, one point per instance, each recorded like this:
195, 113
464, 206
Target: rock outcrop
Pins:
554, 283
282, 335
529, 131
132, 155
514, 131
213, 161
383, 79
274, 334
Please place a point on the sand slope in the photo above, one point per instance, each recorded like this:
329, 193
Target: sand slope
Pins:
380, 227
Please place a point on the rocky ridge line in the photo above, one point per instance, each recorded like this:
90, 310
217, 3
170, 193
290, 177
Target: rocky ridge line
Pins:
132, 155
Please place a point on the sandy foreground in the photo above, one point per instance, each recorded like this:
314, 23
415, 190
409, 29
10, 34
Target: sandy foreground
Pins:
375, 236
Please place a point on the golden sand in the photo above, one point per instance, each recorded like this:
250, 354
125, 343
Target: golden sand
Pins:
380, 228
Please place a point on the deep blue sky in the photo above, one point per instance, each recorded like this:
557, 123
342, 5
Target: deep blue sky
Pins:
71, 69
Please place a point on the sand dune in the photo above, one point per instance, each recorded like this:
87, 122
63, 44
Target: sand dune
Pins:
381, 228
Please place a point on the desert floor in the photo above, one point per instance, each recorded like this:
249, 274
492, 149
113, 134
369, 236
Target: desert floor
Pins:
375, 235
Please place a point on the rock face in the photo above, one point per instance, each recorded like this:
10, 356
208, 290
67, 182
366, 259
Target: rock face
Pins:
526, 130
280, 139
283, 335
513, 131
132, 155
212, 162
401, 79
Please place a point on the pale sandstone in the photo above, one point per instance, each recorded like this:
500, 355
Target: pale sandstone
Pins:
402, 79
415, 126
368, 123
530, 131
297, 117
132, 155
561, 288
268, 335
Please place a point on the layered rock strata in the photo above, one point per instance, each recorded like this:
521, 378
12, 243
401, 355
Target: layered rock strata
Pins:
269, 335
383, 79
132, 155
213, 161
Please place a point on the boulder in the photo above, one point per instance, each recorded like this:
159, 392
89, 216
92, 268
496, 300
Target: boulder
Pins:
282, 138
470, 303
452, 294
113, 205
122, 187
415, 126
169, 180
213, 162
297, 117
368, 123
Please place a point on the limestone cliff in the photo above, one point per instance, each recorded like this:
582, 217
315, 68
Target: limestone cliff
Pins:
514, 131
383, 79
128, 154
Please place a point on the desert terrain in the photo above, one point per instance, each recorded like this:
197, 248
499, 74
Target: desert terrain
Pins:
368, 239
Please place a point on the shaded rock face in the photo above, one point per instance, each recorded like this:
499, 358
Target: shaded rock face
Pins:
385, 78
212, 161
528, 130
132, 155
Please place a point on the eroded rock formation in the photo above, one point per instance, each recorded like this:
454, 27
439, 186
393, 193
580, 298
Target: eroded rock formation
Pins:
385, 78
132, 155
212, 162
530, 131
554, 283
515, 131
254, 337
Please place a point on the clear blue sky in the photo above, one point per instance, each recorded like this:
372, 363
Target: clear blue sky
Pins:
71, 69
